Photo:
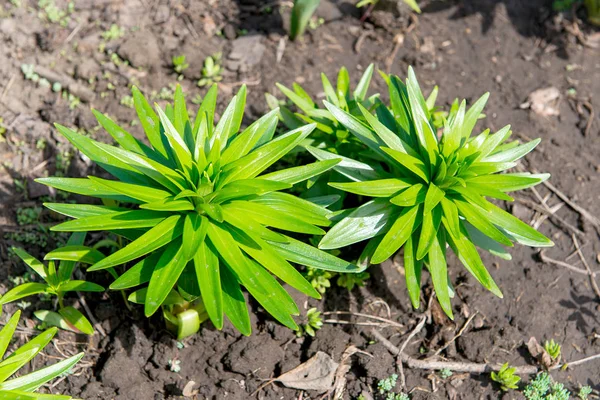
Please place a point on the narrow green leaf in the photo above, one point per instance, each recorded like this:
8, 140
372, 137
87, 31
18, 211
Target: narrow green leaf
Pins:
80, 286
432, 198
411, 163
513, 154
77, 320
24, 290
82, 210
404, 225
137, 275
149, 120
412, 273
429, 230
473, 114
32, 262
165, 274
480, 221
301, 173
416, 194
194, 232
365, 222
377, 188
354, 170
119, 220
243, 143
439, 272
7, 331
77, 253
124, 138
143, 193
234, 303
85, 187
164, 232
363, 84
206, 264
168, 205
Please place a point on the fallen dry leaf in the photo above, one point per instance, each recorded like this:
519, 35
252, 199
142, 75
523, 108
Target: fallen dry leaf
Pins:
544, 101
318, 373
540, 354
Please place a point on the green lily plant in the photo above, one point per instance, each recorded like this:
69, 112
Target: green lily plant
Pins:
203, 215
58, 282
24, 387
428, 191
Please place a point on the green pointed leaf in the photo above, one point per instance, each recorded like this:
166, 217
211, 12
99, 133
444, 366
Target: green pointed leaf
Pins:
80, 286
34, 380
168, 205
230, 121
165, 275
206, 110
121, 136
83, 254
376, 188
119, 220
298, 174
24, 290
32, 262
402, 228
481, 222
363, 85
468, 256
243, 143
77, 319
353, 170
365, 222
137, 275
429, 230
412, 164
432, 198
82, 210
194, 232
484, 242
439, 272
145, 194
416, 194
206, 264
234, 303
150, 121
412, 273
7, 332
163, 233
513, 154
509, 182
85, 187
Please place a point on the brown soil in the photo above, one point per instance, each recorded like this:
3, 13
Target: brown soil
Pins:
508, 47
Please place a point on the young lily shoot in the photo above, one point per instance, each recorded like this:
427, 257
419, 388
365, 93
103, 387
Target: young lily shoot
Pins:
430, 191
203, 214
58, 283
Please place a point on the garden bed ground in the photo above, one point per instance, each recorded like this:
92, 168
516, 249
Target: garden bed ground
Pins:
509, 48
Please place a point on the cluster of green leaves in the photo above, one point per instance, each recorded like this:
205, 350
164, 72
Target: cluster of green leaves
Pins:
313, 323
506, 377
387, 384
329, 134
200, 211
212, 71
179, 65
542, 387
24, 387
553, 349
58, 282
428, 191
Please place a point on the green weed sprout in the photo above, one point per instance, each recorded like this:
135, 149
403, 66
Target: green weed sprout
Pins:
212, 71
349, 281
302, 12
553, 349
387, 384
428, 191
319, 279
584, 392
179, 65
506, 377
314, 322
198, 209
25, 386
58, 282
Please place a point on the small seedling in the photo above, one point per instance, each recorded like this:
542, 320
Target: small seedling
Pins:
212, 71
179, 65
506, 377
127, 101
349, 281
24, 386
319, 279
371, 3
313, 323
28, 216
175, 365
302, 13
114, 32
445, 373
387, 384
51, 12
584, 392
58, 282
553, 349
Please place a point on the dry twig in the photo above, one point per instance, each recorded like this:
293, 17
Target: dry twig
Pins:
587, 267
